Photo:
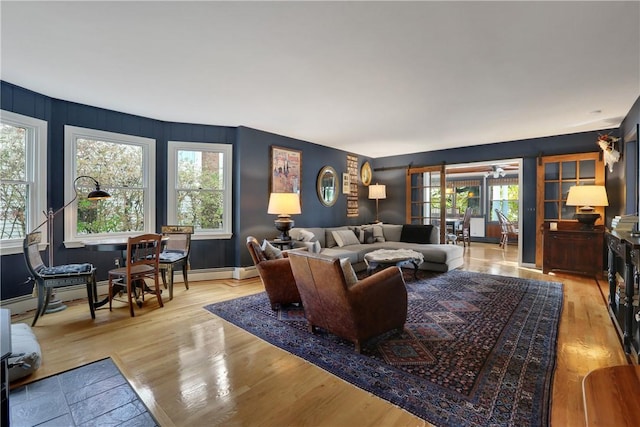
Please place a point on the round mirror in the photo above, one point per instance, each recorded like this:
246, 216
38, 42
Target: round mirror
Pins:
328, 185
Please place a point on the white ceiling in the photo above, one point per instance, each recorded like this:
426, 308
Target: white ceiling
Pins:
372, 78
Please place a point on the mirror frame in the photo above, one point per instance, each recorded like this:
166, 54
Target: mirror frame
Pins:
336, 187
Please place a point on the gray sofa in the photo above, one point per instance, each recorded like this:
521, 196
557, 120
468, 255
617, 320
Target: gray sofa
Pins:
423, 239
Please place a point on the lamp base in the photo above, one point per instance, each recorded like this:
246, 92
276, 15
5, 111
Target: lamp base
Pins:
284, 224
587, 219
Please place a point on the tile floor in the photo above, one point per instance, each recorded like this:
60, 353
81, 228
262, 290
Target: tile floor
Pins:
96, 394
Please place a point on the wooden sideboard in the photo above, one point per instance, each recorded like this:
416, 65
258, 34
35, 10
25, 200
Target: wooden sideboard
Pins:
573, 249
623, 303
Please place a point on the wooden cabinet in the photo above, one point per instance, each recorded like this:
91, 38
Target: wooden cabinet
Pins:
572, 249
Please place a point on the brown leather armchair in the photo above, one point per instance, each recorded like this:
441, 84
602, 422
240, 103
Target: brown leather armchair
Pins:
358, 312
275, 274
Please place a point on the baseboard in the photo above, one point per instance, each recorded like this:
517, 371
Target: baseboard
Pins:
26, 303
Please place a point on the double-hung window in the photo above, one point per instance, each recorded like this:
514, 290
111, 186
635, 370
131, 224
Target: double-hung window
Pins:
199, 187
23, 174
124, 165
504, 195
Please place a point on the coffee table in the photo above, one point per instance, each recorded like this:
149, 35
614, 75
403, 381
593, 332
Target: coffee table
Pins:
398, 257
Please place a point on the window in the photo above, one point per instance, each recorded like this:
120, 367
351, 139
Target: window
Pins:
504, 196
124, 165
23, 174
462, 194
199, 187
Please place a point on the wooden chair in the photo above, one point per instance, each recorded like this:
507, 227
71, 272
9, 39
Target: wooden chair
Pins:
507, 229
143, 255
48, 278
175, 254
464, 232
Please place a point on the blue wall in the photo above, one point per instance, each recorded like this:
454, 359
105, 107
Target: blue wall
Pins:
391, 171
251, 178
250, 186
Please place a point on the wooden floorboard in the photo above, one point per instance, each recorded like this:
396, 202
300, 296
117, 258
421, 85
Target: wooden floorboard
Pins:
193, 368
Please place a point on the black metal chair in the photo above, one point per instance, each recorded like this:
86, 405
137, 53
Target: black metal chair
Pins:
48, 278
175, 254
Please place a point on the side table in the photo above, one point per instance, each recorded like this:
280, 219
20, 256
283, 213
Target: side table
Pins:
282, 244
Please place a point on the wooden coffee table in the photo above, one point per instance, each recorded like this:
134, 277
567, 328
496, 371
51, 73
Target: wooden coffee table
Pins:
398, 257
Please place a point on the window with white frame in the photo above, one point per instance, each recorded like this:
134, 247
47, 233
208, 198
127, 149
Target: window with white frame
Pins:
124, 165
199, 187
23, 174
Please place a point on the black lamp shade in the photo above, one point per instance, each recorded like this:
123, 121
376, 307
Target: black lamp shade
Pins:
98, 194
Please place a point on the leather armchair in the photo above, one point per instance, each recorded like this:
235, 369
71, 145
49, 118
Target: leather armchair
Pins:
370, 307
275, 274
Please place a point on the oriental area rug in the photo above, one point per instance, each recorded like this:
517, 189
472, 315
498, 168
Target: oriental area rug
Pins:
476, 350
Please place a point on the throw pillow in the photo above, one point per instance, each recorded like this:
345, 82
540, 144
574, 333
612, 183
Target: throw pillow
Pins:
316, 248
345, 237
349, 275
270, 251
366, 235
306, 235
378, 235
416, 233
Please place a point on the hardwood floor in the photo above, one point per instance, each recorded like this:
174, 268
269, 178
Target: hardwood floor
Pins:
192, 368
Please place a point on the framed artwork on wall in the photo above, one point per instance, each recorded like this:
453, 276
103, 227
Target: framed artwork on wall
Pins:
346, 183
286, 170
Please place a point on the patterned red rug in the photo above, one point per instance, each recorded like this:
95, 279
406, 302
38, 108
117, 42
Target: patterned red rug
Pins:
477, 350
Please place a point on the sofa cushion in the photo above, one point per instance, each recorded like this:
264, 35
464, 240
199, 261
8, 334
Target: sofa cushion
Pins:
345, 237
345, 252
270, 251
392, 232
313, 247
416, 233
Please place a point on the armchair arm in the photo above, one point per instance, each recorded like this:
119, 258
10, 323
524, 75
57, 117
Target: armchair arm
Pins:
274, 269
380, 292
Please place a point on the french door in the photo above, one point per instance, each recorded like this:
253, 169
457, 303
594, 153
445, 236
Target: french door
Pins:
425, 188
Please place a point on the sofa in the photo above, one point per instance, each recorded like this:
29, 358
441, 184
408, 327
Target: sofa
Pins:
354, 242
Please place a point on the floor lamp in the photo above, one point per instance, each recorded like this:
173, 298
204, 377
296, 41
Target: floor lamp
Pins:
97, 194
377, 191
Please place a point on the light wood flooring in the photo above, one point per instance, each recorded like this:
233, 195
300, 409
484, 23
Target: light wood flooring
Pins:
193, 369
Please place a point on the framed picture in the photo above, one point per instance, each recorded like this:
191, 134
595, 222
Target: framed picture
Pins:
286, 170
346, 183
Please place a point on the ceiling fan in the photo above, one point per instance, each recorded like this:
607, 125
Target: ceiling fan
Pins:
496, 171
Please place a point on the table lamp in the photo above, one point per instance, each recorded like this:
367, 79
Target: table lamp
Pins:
587, 197
377, 191
284, 205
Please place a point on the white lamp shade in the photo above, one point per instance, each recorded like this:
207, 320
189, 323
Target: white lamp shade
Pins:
377, 191
587, 196
284, 204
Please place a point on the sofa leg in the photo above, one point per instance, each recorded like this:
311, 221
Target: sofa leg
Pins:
358, 347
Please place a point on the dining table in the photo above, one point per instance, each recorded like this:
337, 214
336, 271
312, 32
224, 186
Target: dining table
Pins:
114, 245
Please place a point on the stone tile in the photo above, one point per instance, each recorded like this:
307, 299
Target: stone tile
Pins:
92, 395
102, 403
35, 411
